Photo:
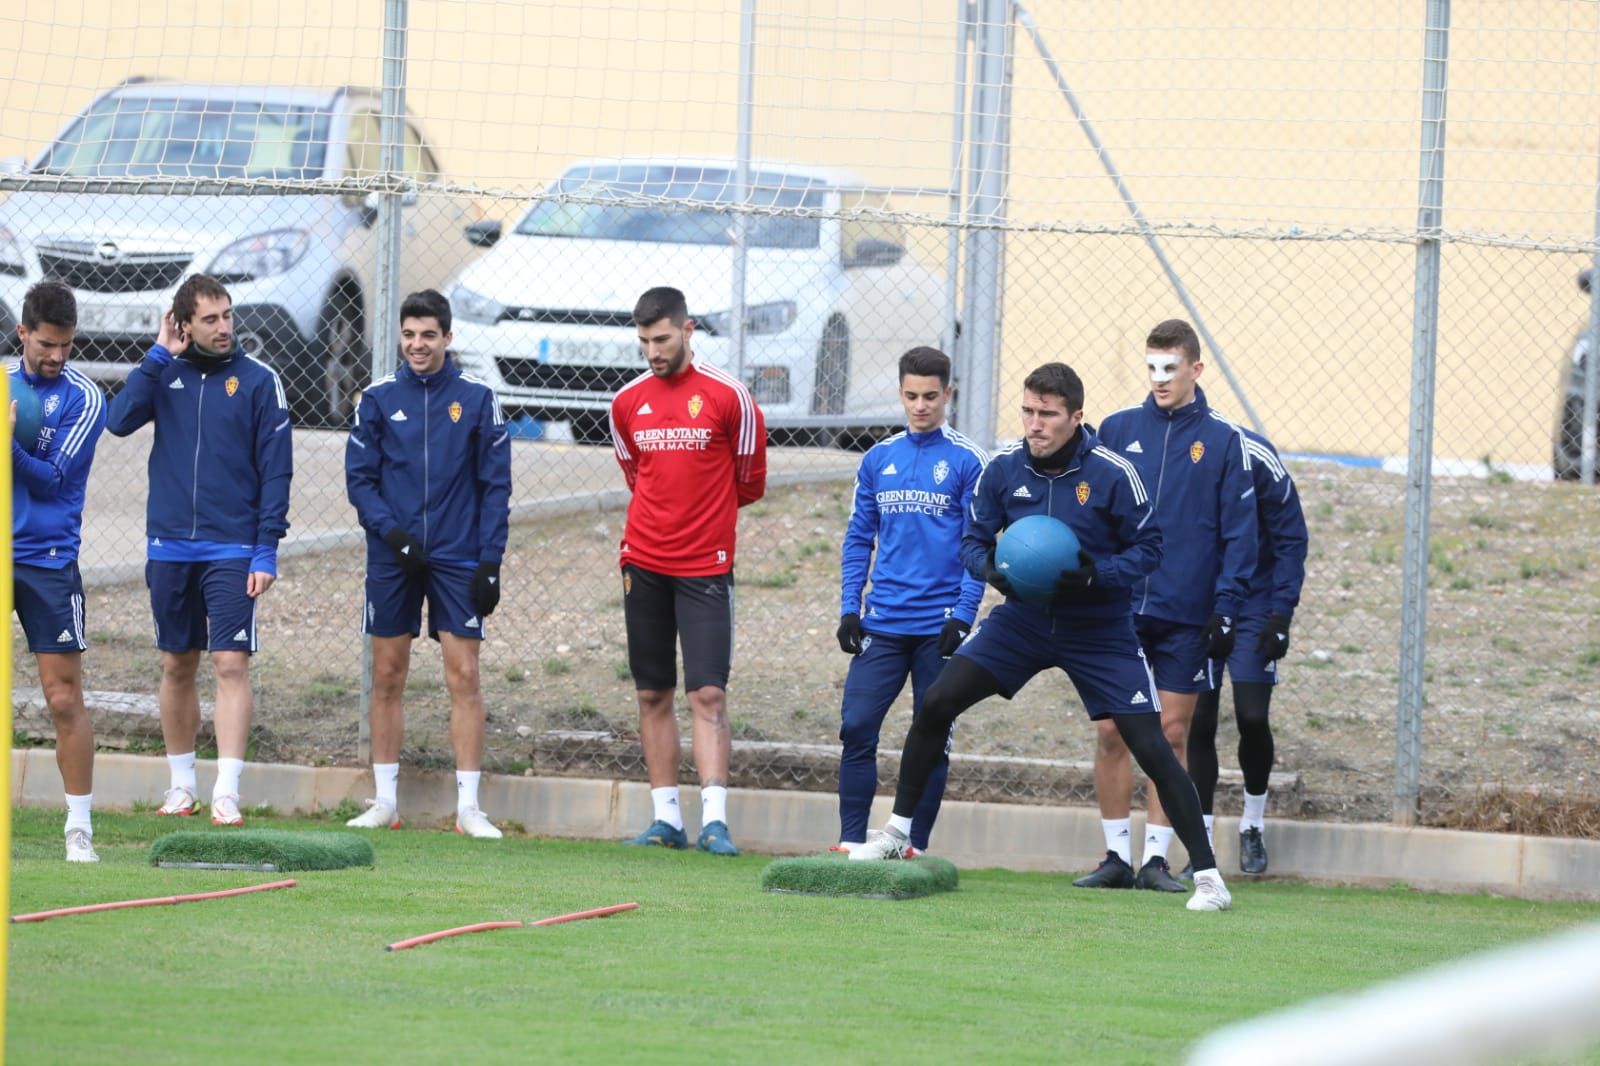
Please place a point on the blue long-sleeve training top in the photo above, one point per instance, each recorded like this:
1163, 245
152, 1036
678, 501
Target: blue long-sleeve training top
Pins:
1099, 494
432, 455
1281, 559
49, 480
911, 497
221, 461
1197, 469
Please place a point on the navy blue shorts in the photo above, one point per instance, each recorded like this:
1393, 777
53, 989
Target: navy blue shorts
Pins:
394, 600
49, 604
1177, 655
1246, 664
202, 605
1102, 658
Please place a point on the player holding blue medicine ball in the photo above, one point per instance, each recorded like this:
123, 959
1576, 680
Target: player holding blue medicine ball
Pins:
50, 460
1086, 629
1033, 553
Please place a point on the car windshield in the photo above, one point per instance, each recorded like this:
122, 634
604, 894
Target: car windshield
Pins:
676, 222
188, 137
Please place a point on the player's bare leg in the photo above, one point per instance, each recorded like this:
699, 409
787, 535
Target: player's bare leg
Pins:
713, 744
391, 664
61, 678
180, 721
1177, 711
466, 731
658, 735
231, 721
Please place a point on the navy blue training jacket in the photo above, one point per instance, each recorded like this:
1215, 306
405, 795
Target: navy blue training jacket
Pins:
1196, 466
1281, 565
1100, 495
432, 456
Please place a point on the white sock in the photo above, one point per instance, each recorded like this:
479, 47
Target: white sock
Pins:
182, 768
900, 825
1157, 839
228, 771
78, 812
666, 804
713, 805
386, 783
467, 790
1211, 826
1255, 811
1119, 837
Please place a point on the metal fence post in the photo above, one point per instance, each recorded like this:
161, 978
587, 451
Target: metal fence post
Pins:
1419, 456
741, 181
958, 120
987, 162
1591, 379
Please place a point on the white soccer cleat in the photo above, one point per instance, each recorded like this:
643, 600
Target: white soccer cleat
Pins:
80, 847
474, 823
180, 800
1210, 894
881, 844
378, 815
225, 810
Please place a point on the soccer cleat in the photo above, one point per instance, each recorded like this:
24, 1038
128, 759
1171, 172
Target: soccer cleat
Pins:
913, 852
714, 838
1186, 875
180, 800
1156, 875
1252, 851
225, 810
661, 835
1210, 894
843, 848
881, 844
1112, 872
474, 823
378, 815
80, 848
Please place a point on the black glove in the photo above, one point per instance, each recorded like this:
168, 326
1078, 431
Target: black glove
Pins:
996, 578
408, 549
1075, 584
1218, 636
850, 634
951, 636
486, 588
1274, 642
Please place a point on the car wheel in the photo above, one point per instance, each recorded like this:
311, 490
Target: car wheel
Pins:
833, 369
342, 364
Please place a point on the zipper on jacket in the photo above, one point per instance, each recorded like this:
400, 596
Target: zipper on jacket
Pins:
1161, 476
427, 405
194, 488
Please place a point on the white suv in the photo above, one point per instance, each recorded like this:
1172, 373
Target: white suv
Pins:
830, 304
298, 265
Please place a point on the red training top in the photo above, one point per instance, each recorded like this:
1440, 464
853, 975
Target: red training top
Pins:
694, 450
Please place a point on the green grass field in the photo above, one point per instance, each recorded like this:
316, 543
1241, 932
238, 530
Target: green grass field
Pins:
1012, 967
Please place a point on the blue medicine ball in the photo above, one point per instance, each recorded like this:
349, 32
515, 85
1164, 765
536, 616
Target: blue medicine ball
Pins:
1032, 553
30, 415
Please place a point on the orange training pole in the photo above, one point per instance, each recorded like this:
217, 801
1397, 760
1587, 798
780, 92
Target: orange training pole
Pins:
428, 938
598, 912
154, 901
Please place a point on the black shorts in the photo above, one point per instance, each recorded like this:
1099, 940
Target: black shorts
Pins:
660, 609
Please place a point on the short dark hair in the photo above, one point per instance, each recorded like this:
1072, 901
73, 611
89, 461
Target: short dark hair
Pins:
50, 301
926, 363
429, 303
1057, 379
658, 303
187, 298
1174, 333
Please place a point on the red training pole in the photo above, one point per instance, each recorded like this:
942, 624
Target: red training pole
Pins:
598, 912
155, 901
428, 938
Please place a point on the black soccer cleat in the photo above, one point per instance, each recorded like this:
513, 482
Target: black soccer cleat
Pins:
1111, 873
1186, 875
1156, 875
1252, 851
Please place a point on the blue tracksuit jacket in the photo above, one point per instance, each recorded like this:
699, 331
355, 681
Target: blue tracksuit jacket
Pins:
1197, 469
222, 458
1100, 495
1281, 564
48, 483
432, 456
911, 497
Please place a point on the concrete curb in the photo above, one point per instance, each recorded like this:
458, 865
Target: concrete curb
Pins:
1050, 839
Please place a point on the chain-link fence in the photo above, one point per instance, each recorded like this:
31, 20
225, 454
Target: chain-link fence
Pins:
830, 187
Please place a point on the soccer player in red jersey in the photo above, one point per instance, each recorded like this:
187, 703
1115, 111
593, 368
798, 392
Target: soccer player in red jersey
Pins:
693, 445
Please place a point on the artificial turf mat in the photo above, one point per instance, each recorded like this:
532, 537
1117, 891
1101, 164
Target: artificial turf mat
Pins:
836, 875
285, 850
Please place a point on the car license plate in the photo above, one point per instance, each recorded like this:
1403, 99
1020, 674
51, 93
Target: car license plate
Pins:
122, 319
589, 352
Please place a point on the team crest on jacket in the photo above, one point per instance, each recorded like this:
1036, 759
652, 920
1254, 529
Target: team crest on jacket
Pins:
51, 402
232, 385
1083, 493
1196, 450
696, 404
941, 470
455, 412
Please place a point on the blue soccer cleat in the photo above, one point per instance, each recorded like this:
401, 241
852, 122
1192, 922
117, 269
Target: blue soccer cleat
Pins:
662, 835
715, 839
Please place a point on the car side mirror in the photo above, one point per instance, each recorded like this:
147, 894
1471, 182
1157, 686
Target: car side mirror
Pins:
874, 252
369, 204
485, 234
13, 164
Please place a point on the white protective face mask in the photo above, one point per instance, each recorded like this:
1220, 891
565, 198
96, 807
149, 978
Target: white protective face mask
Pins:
1163, 367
